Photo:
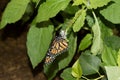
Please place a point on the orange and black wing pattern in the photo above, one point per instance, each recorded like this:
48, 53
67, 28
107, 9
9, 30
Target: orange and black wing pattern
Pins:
58, 46
49, 58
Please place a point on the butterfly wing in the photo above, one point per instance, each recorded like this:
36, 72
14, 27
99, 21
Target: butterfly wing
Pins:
49, 58
59, 46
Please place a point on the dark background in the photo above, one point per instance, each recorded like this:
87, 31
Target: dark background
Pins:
14, 62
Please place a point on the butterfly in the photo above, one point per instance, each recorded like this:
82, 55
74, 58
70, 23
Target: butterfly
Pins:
58, 46
49, 58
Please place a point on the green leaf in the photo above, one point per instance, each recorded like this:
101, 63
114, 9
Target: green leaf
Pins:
50, 8
64, 58
114, 11
86, 42
96, 3
51, 70
113, 42
28, 13
38, 40
97, 40
67, 57
66, 74
90, 20
106, 31
76, 69
118, 58
113, 72
109, 56
77, 2
36, 1
80, 18
71, 9
13, 12
89, 63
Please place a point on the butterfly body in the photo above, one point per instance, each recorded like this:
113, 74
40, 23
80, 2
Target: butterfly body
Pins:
59, 45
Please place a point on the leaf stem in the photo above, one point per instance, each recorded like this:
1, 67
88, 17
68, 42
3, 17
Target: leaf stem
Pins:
99, 77
37, 3
85, 78
77, 78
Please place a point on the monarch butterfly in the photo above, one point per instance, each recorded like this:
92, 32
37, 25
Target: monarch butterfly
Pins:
49, 59
58, 46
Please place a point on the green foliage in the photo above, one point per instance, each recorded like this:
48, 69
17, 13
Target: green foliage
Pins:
97, 40
105, 31
113, 11
36, 41
91, 3
98, 3
86, 42
113, 72
118, 58
89, 63
109, 56
35, 1
66, 75
51, 70
77, 2
90, 20
50, 8
110, 51
76, 70
113, 42
13, 12
71, 9
79, 20
91, 40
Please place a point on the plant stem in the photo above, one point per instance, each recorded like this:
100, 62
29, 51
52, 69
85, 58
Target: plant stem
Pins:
85, 78
99, 77
77, 78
